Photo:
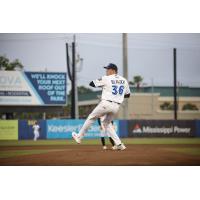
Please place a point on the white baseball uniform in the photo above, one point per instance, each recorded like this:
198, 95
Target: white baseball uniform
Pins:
114, 87
36, 131
103, 132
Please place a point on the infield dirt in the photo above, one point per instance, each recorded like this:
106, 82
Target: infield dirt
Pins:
93, 155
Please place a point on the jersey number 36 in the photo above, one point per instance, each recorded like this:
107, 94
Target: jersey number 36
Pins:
117, 90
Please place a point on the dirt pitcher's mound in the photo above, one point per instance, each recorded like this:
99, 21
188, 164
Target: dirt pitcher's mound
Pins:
92, 155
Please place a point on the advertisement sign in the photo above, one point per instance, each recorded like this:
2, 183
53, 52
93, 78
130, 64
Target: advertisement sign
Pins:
32, 88
26, 129
161, 128
198, 128
123, 128
62, 129
8, 130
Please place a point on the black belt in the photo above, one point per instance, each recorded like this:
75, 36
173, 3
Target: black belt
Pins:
113, 102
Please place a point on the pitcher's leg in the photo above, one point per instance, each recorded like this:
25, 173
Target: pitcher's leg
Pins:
99, 111
113, 135
87, 124
112, 141
110, 130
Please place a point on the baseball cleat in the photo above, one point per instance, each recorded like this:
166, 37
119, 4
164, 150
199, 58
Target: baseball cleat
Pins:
104, 147
114, 147
121, 147
76, 137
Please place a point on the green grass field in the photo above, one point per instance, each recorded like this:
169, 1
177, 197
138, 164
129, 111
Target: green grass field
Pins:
14, 153
140, 151
136, 141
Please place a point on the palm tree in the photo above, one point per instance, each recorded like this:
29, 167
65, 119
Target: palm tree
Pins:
137, 80
5, 64
16, 64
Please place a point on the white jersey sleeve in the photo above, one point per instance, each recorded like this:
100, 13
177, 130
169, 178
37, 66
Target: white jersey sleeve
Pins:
99, 82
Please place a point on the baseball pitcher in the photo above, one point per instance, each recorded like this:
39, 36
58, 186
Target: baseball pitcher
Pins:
103, 133
114, 89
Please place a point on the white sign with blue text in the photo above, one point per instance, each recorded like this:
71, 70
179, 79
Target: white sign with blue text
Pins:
32, 88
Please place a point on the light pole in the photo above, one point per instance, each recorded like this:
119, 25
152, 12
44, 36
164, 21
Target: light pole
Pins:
175, 85
125, 70
72, 73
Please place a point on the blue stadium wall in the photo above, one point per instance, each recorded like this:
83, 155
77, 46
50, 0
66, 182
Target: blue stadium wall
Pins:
61, 129
25, 129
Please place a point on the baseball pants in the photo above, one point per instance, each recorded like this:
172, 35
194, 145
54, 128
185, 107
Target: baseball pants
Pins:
109, 109
36, 136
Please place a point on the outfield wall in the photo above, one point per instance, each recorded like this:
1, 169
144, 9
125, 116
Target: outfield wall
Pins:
9, 130
26, 129
61, 129
161, 128
198, 128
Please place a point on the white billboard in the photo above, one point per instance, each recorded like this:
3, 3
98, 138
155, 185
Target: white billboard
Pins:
32, 88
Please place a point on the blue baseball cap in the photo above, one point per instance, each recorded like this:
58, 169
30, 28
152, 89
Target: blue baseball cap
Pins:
111, 66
